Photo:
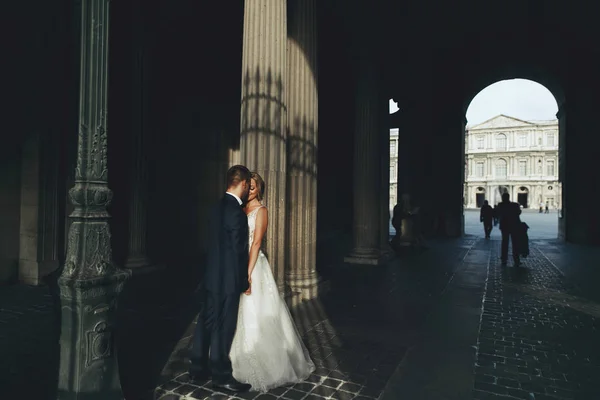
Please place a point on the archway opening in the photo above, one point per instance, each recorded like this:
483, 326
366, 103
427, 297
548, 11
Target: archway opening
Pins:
512, 146
393, 196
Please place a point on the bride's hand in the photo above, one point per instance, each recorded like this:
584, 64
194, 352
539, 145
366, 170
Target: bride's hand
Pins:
249, 291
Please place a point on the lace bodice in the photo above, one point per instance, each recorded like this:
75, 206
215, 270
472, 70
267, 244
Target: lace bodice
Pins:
252, 224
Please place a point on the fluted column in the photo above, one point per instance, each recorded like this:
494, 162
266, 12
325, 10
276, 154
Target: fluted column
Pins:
303, 107
264, 114
138, 170
90, 282
366, 178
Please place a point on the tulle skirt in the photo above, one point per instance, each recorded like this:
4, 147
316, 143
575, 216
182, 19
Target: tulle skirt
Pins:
267, 350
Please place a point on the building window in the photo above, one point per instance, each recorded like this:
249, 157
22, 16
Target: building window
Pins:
480, 142
501, 142
392, 148
393, 171
501, 168
522, 167
550, 139
479, 169
522, 140
550, 167
540, 141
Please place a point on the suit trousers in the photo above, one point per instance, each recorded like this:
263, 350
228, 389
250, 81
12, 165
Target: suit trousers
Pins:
214, 333
504, 248
487, 227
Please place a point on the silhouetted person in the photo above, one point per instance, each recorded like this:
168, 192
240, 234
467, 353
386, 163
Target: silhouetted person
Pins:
486, 215
495, 214
508, 213
547, 208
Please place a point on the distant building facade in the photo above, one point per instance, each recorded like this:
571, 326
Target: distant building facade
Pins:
506, 154
393, 167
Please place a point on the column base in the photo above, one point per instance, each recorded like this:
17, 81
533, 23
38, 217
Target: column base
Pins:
294, 297
305, 286
137, 261
88, 320
145, 269
364, 257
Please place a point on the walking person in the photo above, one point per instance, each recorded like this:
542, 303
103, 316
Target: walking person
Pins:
486, 215
510, 223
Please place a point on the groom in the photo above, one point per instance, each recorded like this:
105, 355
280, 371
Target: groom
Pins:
226, 278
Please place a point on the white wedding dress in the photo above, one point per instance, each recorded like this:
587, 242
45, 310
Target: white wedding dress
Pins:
267, 350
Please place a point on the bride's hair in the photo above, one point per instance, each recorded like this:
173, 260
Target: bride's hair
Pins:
260, 185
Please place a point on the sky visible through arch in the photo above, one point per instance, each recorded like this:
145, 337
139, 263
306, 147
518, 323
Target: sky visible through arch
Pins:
519, 98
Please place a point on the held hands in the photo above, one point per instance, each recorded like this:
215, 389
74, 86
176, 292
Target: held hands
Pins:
249, 291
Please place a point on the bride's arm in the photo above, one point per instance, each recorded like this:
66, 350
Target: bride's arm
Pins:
259, 233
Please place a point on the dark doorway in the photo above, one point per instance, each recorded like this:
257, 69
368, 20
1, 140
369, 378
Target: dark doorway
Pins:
522, 199
479, 198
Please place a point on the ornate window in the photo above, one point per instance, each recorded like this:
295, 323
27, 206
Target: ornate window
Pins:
550, 140
550, 167
479, 169
501, 168
480, 142
522, 140
522, 167
501, 142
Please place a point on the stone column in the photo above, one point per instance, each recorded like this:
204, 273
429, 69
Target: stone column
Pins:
303, 107
138, 170
264, 115
90, 282
366, 180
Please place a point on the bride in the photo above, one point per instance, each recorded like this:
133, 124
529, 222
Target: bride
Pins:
267, 350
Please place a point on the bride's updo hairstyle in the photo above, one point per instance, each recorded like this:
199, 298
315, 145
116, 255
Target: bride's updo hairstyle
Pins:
260, 185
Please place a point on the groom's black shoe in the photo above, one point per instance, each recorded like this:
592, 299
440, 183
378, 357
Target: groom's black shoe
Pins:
232, 385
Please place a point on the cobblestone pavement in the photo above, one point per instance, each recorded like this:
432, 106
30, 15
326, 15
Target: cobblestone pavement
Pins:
539, 334
357, 334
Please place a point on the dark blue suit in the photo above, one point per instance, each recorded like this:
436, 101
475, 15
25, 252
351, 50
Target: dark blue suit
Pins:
226, 277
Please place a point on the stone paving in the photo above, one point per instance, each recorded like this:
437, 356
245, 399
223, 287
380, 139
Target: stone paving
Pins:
538, 336
357, 334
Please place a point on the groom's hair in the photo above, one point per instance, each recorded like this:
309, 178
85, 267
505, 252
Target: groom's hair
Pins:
237, 174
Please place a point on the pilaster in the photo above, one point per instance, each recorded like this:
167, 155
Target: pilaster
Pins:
303, 107
90, 281
264, 115
138, 170
39, 236
383, 133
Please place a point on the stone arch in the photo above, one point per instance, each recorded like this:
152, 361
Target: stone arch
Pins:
513, 69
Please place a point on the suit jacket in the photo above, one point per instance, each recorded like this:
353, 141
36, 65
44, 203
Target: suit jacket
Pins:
487, 213
227, 268
508, 214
